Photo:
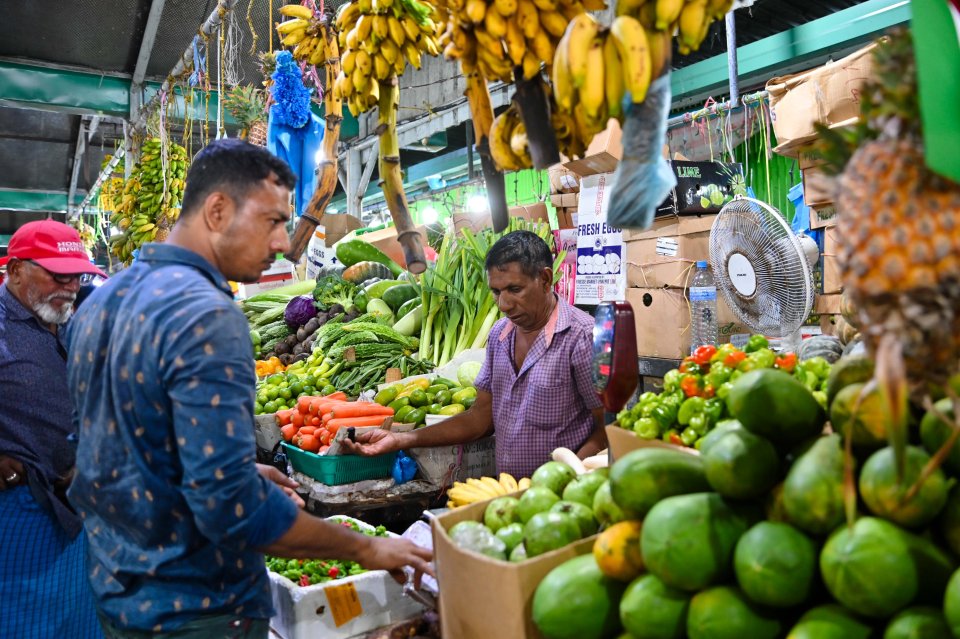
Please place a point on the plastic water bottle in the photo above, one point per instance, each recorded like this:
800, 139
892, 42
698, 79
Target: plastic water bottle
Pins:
703, 308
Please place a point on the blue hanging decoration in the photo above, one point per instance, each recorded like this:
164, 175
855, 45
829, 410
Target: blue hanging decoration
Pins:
294, 132
199, 65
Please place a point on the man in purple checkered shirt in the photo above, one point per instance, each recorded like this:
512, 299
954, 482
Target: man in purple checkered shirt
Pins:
535, 389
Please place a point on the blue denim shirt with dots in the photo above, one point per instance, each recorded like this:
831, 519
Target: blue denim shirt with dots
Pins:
160, 368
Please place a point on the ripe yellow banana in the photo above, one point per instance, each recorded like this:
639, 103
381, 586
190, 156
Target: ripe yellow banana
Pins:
476, 10
542, 46
410, 28
545, 5
390, 51
528, 17
719, 8
381, 27
531, 66
594, 5
631, 42
481, 486
592, 90
494, 485
582, 32
360, 80
506, 8
294, 37
348, 62
495, 24
500, 149
397, 33
508, 482
691, 20
554, 23
661, 50
563, 91
613, 78
412, 54
381, 68
667, 13
285, 28
523, 483
296, 11
516, 45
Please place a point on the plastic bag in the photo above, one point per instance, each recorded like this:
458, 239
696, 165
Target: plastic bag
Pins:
643, 179
404, 468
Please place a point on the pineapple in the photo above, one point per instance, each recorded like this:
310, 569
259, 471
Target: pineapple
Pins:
247, 106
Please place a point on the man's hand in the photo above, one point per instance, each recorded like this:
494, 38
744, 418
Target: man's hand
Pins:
12, 473
285, 483
372, 442
393, 554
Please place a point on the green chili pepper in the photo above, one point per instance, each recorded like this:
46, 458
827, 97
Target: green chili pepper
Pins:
646, 428
689, 408
755, 343
671, 381
688, 436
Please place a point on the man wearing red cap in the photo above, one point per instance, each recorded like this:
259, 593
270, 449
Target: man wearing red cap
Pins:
43, 582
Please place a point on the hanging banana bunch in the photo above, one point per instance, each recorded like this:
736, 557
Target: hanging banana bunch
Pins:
304, 33
508, 141
495, 37
151, 198
377, 41
689, 19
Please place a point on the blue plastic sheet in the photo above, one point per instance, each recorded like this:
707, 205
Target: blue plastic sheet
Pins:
298, 148
643, 179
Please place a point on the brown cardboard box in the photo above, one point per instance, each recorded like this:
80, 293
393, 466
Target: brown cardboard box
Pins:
386, 241
818, 187
567, 219
562, 180
827, 304
829, 94
829, 262
662, 318
664, 254
602, 155
565, 200
476, 222
536, 212
823, 216
622, 441
484, 598
336, 226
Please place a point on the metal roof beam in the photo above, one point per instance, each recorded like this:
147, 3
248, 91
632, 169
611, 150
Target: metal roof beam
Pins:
87, 129
147, 42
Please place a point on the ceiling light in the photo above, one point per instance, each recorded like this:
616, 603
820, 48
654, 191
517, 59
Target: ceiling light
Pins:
477, 203
429, 215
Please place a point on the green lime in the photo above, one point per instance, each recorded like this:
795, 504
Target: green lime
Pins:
309, 380
434, 409
443, 397
328, 390
419, 398
309, 390
286, 393
401, 415
262, 398
292, 377
270, 407
257, 408
275, 379
296, 388
273, 393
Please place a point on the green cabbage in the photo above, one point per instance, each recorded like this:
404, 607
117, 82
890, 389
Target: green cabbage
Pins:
467, 373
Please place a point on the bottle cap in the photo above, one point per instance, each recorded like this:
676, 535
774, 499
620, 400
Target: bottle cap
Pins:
701, 264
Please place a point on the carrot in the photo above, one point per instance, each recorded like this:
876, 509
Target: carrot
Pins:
297, 419
310, 443
315, 421
308, 430
327, 417
303, 404
319, 406
371, 420
361, 409
325, 437
288, 432
284, 416
339, 395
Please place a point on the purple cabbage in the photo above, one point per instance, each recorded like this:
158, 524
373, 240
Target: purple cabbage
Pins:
299, 311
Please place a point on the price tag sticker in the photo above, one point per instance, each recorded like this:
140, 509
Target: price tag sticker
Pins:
344, 603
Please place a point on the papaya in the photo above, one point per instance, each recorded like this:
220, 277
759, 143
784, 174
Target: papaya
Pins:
773, 404
604, 508
714, 435
549, 531
869, 428
617, 551
650, 609
723, 612
577, 601
775, 564
919, 622
852, 369
934, 433
739, 464
951, 604
829, 622
867, 568
813, 489
643, 477
688, 540
885, 495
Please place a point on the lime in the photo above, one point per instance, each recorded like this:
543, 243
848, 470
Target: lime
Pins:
275, 379
309, 380
270, 407
296, 388
292, 377
419, 398
328, 390
309, 390
273, 393
286, 393
257, 408
262, 398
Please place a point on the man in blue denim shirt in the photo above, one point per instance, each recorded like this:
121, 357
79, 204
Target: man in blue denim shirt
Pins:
161, 372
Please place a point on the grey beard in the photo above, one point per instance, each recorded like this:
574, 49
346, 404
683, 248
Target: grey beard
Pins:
48, 314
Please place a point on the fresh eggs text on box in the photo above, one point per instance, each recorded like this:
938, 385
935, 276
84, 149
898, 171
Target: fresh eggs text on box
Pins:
601, 273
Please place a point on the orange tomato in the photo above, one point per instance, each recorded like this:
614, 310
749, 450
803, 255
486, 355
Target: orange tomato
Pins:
288, 432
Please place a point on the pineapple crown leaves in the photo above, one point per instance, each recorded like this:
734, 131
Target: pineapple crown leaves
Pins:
889, 105
246, 104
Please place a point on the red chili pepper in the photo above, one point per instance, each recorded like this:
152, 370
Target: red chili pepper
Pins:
786, 362
675, 439
690, 385
734, 358
709, 391
304, 580
684, 365
333, 572
703, 354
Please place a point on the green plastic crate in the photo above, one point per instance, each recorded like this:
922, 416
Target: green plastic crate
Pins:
334, 470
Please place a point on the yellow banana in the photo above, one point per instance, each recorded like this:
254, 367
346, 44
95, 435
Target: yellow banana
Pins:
319, 54
412, 54
719, 8
347, 16
594, 5
592, 90
294, 37
661, 49
690, 23
506, 8
494, 485
289, 26
364, 63
372, 94
516, 45
360, 79
560, 75
399, 64
429, 45
519, 144
353, 39
348, 62
370, 46
647, 15
542, 46
479, 485
397, 32
612, 78
523, 483
296, 11
381, 68
410, 28
545, 5
365, 6
508, 482
381, 27
389, 50
495, 24
631, 42
500, 149
528, 18
476, 10
554, 23
364, 27
630, 7
531, 65
582, 31
667, 13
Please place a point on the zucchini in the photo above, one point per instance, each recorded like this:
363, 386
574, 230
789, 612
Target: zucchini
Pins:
376, 291
397, 296
353, 252
365, 270
411, 323
408, 306
379, 307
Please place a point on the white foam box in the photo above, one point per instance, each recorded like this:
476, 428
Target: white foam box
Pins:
340, 609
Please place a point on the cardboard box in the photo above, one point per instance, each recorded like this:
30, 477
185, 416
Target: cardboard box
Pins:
662, 318
443, 465
565, 200
818, 187
602, 155
601, 272
482, 598
697, 186
337, 226
386, 241
567, 219
665, 254
829, 94
622, 441
339, 609
280, 273
823, 216
562, 180
476, 222
829, 265
536, 212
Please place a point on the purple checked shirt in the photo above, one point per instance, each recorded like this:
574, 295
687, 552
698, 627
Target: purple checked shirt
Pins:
549, 402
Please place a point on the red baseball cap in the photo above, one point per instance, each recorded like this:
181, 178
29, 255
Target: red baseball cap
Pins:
54, 246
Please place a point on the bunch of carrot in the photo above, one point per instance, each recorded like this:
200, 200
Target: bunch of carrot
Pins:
312, 424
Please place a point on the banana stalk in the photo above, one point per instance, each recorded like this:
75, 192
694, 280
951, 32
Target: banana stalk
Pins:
391, 180
327, 167
535, 113
481, 110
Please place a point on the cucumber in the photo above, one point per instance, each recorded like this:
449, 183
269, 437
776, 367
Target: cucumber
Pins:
411, 323
354, 251
397, 296
408, 306
376, 291
380, 307
643, 477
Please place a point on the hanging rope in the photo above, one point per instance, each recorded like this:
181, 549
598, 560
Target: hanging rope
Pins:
220, 38
253, 31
